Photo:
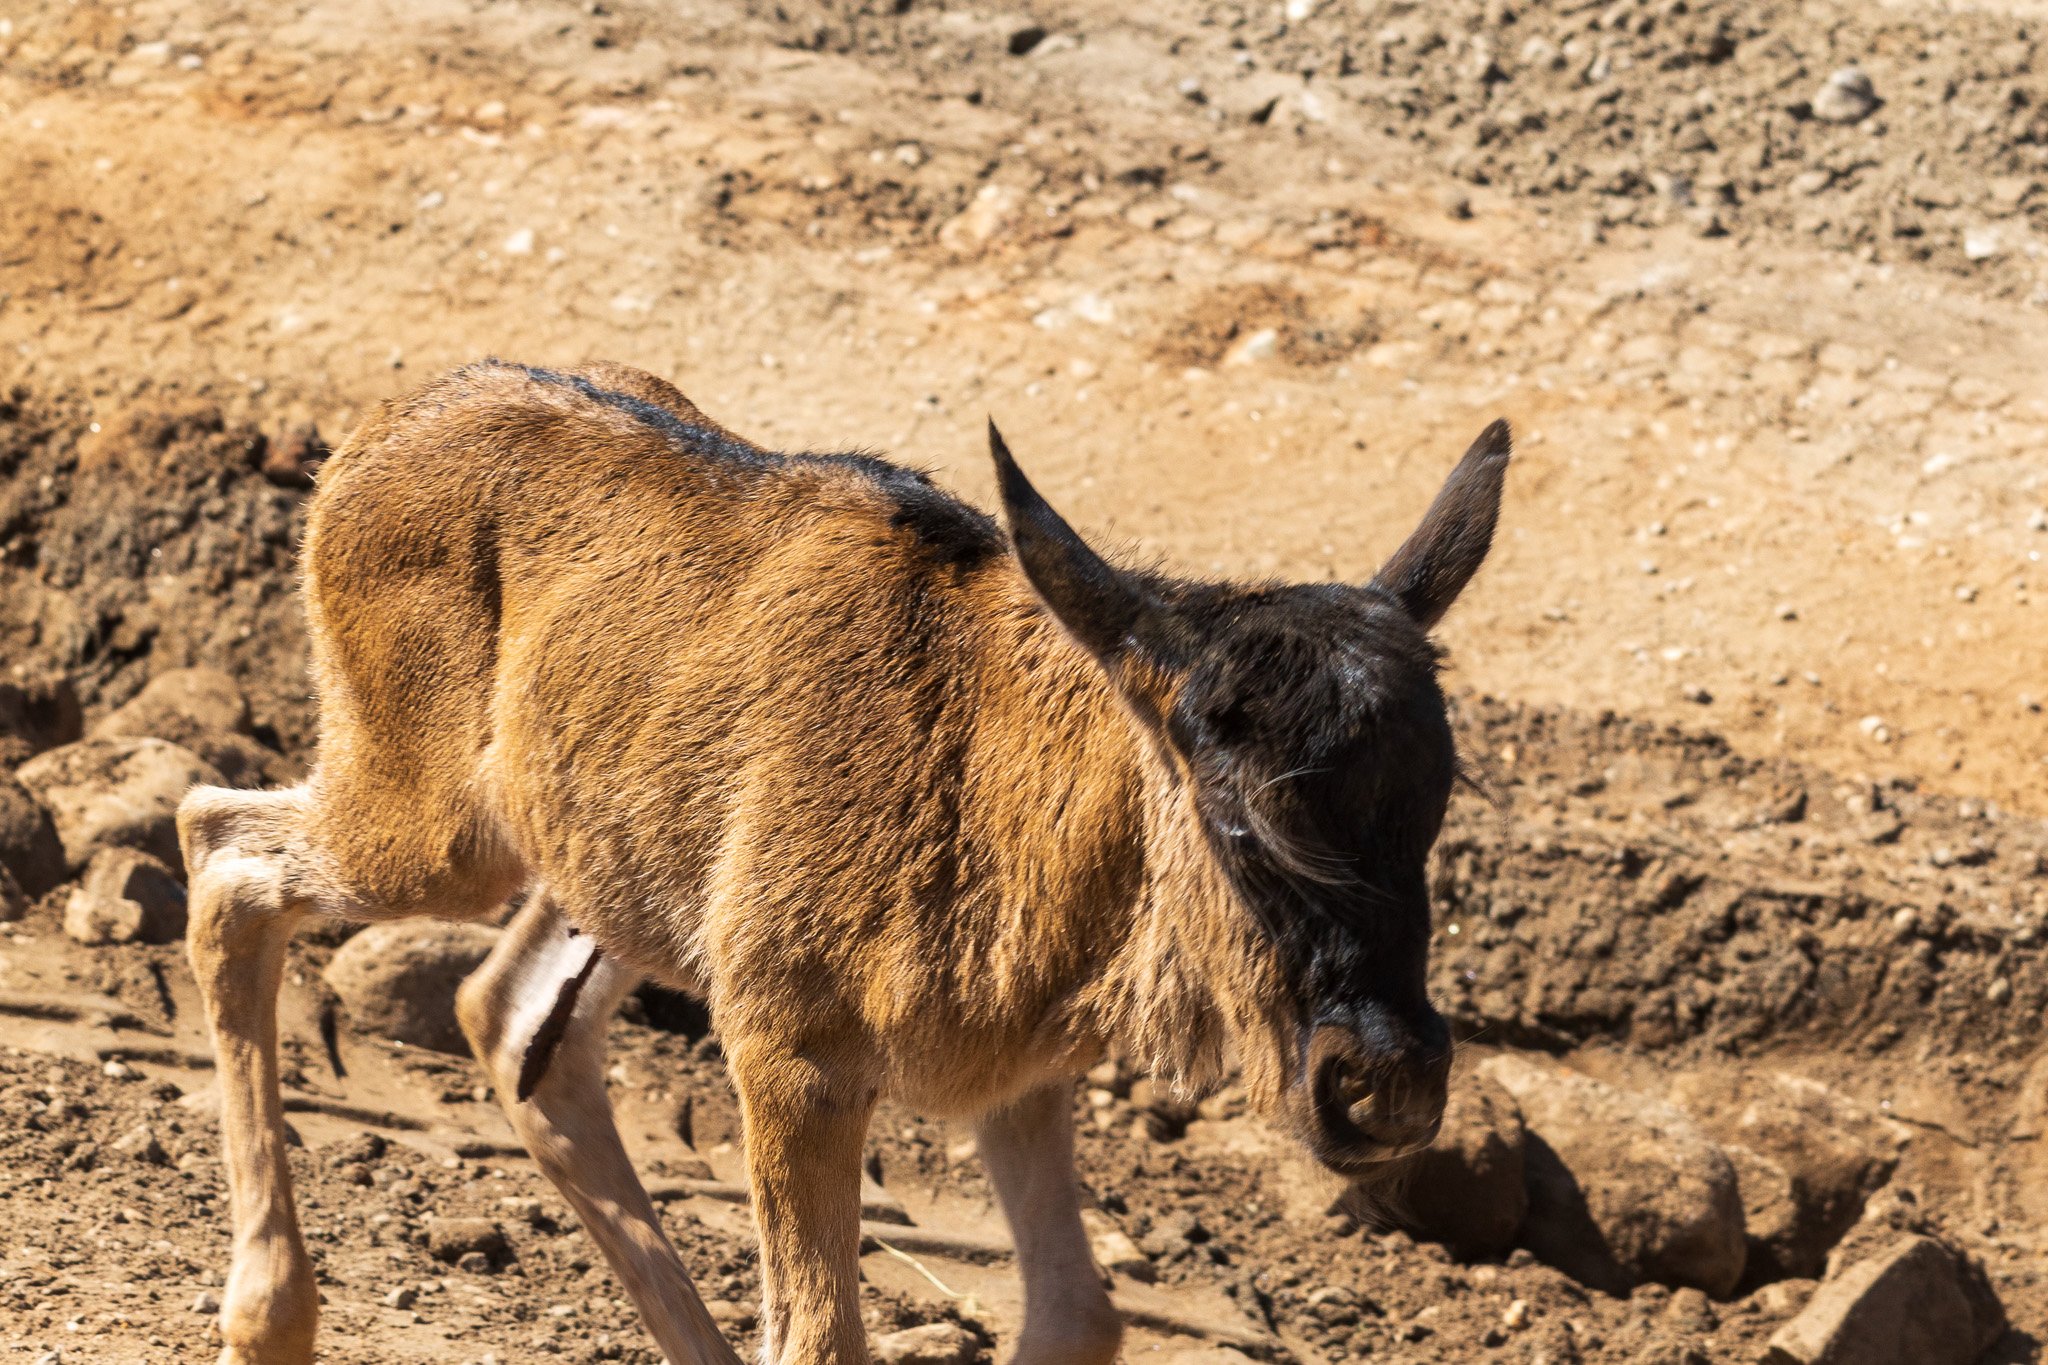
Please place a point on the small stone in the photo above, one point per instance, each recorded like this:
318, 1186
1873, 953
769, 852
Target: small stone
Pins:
1982, 243
140, 1144
1846, 97
2000, 990
1516, 1315
290, 460
453, 1239
1782, 1298
403, 1297
206, 1302
126, 896
935, 1343
519, 243
1261, 345
1696, 694
1023, 40
1117, 1253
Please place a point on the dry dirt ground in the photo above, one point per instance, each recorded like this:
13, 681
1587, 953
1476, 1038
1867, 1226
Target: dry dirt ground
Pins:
1757, 671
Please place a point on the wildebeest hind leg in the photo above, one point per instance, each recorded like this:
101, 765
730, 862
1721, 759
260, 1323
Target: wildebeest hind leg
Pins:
535, 1013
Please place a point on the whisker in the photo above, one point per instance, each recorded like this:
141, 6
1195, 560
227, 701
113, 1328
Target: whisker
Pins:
1276, 781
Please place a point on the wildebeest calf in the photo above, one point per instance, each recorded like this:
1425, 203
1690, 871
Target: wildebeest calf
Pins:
917, 807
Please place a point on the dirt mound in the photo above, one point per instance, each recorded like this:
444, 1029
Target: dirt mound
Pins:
1649, 885
148, 542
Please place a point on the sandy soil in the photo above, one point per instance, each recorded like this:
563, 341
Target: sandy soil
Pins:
1239, 282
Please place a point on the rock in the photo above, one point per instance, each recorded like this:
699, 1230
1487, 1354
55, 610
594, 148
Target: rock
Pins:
1782, 1298
1468, 1189
1117, 1253
1166, 1115
1846, 97
140, 1144
398, 980
1770, 1216
200, 709
993, 212
452, 1239
1024, 40
36, 714
206, 1301
116, 793
126, 896
1832, 1155
29, 847
935, 1343
1917, 1303
290, 460
1622, 1188
13, 901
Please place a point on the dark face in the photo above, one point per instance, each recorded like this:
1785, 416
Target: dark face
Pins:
1313, 731
1310, 726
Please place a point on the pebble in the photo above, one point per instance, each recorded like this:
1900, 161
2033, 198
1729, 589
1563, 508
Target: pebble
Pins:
520, 243
1846, 97
1516, 1315
206, 1302
935, 1343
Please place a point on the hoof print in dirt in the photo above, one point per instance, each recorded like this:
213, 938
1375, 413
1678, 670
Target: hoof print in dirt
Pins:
935, 1343
126, 896
1917, 1303
398, 981
1468, 1189
116, 793
201, 710
1623, 1189
30, 851
477, 1245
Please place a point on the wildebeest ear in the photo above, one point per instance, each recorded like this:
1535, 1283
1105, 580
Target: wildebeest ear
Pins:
1439, 558
1096, 602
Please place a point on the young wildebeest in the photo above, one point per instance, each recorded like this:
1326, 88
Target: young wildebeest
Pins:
916, 809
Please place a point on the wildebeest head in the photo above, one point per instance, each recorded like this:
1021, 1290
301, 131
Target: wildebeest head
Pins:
1307, 727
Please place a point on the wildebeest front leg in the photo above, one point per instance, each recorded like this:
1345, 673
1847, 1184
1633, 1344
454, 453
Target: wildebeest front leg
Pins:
804, 1129
535, 1013
1028, 1149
